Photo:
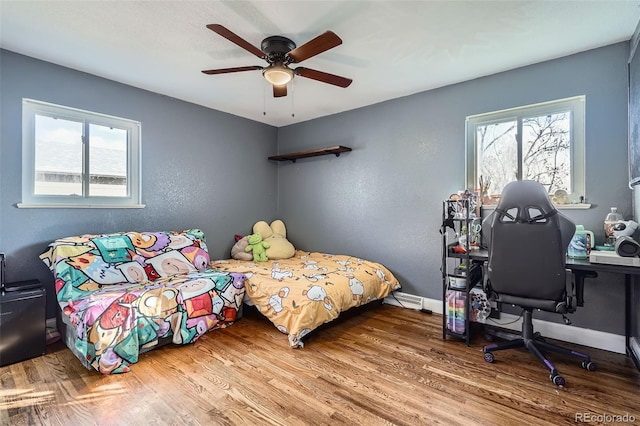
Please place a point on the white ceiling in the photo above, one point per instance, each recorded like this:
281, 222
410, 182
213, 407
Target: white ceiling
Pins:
390, 48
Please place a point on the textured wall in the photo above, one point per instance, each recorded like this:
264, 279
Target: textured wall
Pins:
383, 200
200, 167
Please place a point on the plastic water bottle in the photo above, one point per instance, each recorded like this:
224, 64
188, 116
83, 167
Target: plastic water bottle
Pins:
612, 218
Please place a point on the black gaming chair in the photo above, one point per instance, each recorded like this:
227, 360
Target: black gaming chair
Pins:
528, 240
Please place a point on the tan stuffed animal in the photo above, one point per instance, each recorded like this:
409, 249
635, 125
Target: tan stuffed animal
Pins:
276, 235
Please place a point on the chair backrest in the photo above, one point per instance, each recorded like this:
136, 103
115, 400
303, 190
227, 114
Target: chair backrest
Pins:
528, 244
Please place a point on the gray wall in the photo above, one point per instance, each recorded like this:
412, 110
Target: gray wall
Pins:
200, 168
382, 201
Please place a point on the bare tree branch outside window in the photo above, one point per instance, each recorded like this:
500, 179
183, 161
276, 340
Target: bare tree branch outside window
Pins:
546, 151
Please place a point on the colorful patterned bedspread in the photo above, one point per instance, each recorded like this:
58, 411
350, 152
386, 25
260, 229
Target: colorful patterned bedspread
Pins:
122, 294
301, 293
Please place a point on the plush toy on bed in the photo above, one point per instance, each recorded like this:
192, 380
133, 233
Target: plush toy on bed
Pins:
276, 236
237, 251
258, 247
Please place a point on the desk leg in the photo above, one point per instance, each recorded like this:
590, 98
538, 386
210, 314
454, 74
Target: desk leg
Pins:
627, 320
627, 310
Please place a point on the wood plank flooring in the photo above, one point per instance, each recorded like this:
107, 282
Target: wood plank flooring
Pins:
385, 365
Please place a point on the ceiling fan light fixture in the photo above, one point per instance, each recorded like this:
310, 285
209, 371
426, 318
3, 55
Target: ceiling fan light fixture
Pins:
278, 74
279, 52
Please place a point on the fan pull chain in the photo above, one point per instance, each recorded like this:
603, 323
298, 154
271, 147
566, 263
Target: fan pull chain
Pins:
293, 111
264, 99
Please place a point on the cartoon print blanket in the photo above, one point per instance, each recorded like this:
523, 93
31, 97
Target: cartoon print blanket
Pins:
123, 294
301, 293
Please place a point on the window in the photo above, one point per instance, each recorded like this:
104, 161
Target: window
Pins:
542, 142
75, 158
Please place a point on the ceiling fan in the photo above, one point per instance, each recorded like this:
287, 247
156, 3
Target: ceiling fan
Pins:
279, 52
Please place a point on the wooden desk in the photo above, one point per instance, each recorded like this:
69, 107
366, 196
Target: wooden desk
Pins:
582, 268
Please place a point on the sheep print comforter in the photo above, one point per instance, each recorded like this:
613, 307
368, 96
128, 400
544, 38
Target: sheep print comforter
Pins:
309, 289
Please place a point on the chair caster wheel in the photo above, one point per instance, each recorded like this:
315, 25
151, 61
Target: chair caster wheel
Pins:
488, 356
589, 366
488, 337
557, 380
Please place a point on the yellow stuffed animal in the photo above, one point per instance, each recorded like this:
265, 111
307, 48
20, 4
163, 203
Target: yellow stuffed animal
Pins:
276, 235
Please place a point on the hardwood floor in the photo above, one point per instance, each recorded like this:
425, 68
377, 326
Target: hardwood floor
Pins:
385, 365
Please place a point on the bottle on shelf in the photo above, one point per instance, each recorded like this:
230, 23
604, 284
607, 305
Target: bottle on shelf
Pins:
610, 221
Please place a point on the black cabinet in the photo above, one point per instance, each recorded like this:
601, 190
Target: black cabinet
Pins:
22, 322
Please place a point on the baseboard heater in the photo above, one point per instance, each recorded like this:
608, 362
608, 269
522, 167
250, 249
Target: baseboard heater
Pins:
404, 300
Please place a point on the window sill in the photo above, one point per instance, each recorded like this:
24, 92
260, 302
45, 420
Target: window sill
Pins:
79, 206
558, 206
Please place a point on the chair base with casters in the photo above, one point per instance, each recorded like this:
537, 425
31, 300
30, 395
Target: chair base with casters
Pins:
536, 344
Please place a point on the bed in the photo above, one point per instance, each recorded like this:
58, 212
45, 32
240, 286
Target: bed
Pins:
301, 293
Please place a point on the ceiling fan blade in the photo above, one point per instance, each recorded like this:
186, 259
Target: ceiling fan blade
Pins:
235, 69
234, 38
324, 77
322, 43
279, 91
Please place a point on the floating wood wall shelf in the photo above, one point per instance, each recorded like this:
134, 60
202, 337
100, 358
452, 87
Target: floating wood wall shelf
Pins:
293, 156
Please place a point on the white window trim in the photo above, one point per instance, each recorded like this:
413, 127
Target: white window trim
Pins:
31, 108
578, 143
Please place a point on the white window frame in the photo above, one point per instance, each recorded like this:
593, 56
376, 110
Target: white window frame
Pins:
577, 107
31, 108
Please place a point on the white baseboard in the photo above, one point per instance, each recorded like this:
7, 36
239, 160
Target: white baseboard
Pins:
580, 336
566, 333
